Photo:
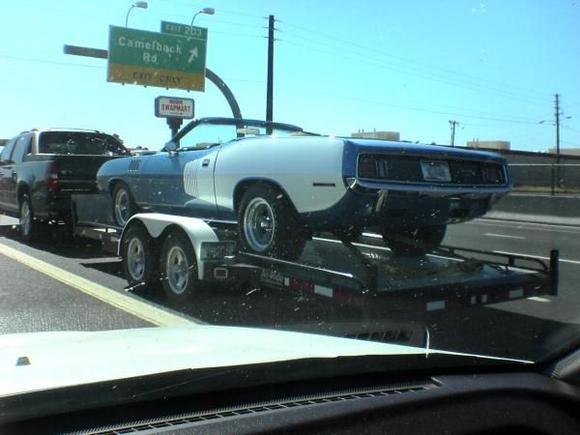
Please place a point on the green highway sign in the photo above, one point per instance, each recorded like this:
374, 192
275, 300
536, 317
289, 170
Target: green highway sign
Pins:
156, 59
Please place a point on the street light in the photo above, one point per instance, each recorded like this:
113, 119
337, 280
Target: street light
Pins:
207, 11
140, 5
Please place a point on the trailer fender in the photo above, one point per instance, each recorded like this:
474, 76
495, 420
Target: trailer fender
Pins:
156, 223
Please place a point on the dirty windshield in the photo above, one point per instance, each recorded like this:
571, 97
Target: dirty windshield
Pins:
174, 204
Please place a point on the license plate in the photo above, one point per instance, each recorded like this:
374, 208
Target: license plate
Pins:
435, 170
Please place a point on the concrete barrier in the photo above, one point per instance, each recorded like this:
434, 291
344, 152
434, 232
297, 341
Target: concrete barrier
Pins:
560, 209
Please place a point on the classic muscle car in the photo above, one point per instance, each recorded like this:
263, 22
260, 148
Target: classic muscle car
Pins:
281, 184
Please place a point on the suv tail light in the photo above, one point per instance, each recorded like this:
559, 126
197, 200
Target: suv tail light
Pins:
52, 178
367, 167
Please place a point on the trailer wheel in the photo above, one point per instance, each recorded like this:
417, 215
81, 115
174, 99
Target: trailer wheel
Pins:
178, 267
414, 241
138, 252
28, 226
268, 224
123, 204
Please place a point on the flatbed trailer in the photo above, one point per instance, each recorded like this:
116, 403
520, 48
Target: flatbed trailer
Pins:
365, 274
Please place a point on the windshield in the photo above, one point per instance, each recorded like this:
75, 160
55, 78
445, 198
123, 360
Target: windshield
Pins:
209, 132
437, 211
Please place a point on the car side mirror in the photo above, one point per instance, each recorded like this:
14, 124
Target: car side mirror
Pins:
171, 146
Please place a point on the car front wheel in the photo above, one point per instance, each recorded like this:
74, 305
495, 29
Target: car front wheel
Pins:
414, 241
268, 224
123, 205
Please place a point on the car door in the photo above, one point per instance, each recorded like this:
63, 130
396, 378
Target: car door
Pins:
6, 173
177, 179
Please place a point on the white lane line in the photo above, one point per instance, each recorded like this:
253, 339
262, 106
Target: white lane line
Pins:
125, 302
539, 257
539, 299
504, 236
526, 225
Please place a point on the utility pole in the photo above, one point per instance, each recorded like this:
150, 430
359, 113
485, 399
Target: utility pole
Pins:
270, 80
453, 124
557, 124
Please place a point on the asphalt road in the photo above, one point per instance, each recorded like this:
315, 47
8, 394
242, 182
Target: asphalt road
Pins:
73, 286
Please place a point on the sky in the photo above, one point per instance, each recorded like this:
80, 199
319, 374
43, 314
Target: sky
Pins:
339, 67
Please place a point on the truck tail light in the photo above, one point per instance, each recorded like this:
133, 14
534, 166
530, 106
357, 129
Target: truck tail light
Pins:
367, 167
52, 183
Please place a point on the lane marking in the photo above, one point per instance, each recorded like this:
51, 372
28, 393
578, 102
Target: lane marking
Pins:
124, 302
503, 235
538, 299
539, 257
522, 225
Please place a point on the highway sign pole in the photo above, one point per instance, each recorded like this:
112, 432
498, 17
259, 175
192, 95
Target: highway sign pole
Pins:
209, 74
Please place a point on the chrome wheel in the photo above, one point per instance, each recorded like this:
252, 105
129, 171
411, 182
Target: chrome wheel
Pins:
259, 224
177, 269
136, 259
25, 218
122, 206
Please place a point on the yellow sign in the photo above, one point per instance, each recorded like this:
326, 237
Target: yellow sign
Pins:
148, 76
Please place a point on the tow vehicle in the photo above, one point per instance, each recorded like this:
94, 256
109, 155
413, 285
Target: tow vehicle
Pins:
178, 254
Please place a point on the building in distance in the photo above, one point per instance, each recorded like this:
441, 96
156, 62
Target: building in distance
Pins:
384, 135
502, 145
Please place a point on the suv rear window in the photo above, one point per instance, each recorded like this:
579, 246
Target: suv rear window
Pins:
59, 142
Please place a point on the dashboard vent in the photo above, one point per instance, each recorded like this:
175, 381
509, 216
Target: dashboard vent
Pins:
259, 407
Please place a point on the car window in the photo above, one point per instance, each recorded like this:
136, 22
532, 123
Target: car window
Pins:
22, 147
7, 150
79, 143
207, 135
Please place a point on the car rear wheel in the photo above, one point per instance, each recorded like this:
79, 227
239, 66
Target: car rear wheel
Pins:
414, 241
138, 252
27, 222
178, 267
268, 224
123, 205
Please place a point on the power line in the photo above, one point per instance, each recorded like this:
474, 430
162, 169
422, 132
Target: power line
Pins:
398, 69
474, 80
51, 62
434, 111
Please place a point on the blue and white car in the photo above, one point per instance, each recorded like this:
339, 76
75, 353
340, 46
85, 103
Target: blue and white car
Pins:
281, 184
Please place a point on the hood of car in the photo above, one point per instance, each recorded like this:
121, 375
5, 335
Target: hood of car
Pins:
47, 360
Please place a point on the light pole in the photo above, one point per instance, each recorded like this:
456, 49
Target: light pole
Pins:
206, 11
140, 5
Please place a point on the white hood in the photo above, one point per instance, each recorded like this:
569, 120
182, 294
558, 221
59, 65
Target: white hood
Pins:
59, 359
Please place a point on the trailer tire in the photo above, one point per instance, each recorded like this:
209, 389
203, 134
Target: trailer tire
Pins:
123, 204
268, 224
414, 241
139, 253
28, 226
178, 266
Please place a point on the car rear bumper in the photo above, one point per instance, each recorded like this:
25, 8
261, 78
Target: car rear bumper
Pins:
374, 205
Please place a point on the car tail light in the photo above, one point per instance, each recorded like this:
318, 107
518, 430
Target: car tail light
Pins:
492, 174
52, 183
367, 167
